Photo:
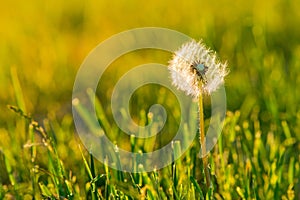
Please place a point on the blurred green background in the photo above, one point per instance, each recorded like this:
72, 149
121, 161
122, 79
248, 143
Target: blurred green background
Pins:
44, 44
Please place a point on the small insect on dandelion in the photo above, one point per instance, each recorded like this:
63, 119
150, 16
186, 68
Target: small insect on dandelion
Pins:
196, 70
200, 70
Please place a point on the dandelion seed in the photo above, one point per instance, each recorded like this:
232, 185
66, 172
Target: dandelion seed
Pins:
194, 62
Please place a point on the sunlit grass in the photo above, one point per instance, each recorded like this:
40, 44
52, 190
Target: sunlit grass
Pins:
43, 45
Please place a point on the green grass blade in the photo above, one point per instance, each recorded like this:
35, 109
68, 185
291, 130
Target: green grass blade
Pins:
9, 171
45, 191
100, 111
197, 187
18, 90
87, 167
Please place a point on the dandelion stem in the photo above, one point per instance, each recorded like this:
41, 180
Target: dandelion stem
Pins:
202, 136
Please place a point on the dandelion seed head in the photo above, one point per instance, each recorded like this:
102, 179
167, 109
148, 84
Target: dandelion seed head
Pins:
194, 62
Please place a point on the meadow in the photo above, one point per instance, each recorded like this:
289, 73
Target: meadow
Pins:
43, 45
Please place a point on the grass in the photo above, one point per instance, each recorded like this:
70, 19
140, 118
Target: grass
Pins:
42, 47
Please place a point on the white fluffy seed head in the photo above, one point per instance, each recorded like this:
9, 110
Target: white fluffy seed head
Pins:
194, 62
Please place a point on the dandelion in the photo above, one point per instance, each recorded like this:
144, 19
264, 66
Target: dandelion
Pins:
196, 70
194, 63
